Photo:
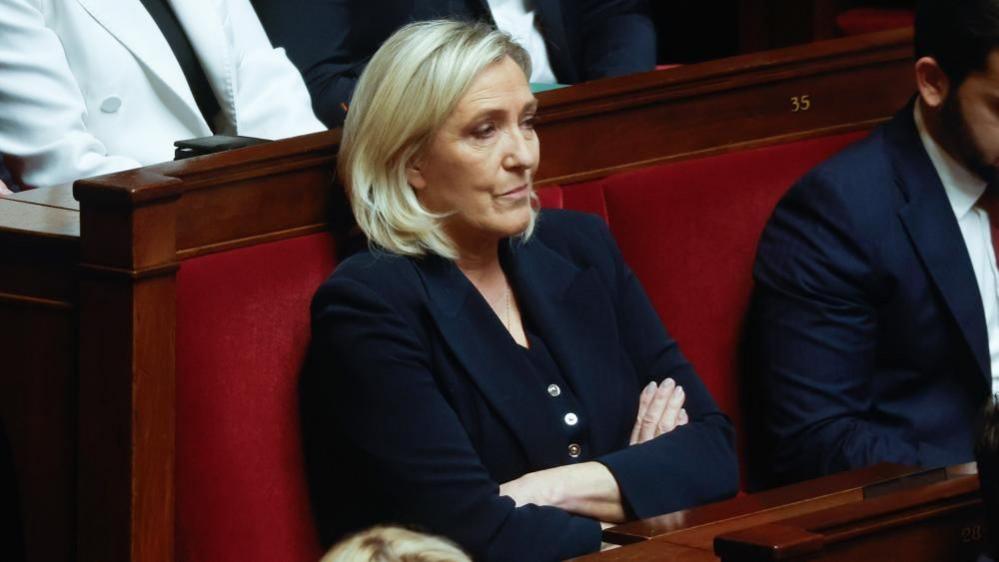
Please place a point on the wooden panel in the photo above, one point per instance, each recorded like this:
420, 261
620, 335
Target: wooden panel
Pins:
724, 105
127, 336
38, 398
938, 521
38, 414
779, 503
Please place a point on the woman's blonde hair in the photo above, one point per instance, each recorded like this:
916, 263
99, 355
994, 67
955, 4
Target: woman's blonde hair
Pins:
394, 544
406, 93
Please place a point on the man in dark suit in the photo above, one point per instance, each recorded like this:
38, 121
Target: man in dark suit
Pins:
874, 331
331, 40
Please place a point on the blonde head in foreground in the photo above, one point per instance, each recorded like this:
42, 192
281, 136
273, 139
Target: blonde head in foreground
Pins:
394, 544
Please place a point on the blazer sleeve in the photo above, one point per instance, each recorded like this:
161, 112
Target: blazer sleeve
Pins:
272, 100
42, 131
330, 41
815, 331
618, 38
389, 406
691, 465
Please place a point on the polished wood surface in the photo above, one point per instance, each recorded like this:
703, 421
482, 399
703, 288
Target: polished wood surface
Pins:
90, 269
937, 521
779, 503
885, 511
724, 105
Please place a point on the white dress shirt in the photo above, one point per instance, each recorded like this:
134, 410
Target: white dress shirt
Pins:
519, 19
964, 188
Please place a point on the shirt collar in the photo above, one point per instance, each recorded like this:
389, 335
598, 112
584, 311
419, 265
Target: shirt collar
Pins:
962, 186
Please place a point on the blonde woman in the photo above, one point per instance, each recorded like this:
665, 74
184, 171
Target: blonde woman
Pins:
490, 373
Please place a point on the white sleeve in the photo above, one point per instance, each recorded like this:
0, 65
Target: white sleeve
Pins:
42, 130
271, 98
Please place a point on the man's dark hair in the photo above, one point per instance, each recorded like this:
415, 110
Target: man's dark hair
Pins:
959, 34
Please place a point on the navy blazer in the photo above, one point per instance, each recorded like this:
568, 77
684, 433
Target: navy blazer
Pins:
331, 41
416, 410
868, 333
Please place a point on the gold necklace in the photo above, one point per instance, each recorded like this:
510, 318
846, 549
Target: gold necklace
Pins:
508, 325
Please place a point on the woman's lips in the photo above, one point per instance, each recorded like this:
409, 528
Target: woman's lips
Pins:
515, 193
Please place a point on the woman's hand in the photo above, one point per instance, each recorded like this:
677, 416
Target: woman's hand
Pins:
660, 410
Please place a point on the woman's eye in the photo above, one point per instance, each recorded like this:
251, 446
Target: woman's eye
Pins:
484, 131
528, 122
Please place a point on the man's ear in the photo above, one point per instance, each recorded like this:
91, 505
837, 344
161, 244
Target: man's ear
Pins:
414, 175
932, 82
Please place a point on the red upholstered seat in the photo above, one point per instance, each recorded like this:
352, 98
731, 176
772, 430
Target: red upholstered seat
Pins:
869, 20
242, 334
689, 231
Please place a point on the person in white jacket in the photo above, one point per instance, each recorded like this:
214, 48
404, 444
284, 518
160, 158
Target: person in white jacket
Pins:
90, 87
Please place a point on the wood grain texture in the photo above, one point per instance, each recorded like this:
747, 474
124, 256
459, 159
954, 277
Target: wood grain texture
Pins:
915, 524
779, 503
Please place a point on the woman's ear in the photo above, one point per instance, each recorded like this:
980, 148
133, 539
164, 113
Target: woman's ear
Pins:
414, 175
932, 81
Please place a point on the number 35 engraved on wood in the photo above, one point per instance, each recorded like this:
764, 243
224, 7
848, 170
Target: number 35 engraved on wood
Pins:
971, 533
801, 103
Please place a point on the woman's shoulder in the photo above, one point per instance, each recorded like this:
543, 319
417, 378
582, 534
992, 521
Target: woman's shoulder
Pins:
371, 274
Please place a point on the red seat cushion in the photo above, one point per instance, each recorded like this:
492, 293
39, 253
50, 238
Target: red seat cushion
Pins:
242, 334
869, 20
689, 231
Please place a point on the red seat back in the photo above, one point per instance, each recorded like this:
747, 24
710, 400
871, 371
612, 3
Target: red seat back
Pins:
242, 335
689, 231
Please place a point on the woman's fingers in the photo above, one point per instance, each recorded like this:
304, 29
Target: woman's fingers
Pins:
668, 421
655, 411
643, 405
681, 418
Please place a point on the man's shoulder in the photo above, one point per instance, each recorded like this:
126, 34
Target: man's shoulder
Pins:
861, 167
859, 182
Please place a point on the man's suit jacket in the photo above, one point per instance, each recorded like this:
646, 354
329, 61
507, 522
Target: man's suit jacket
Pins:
868, 333
89, 87
331, 41
418, 404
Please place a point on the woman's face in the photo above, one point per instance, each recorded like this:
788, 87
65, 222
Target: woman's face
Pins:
480, 164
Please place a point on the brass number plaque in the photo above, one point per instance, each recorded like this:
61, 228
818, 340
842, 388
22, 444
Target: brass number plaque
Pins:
972, 533
801, 103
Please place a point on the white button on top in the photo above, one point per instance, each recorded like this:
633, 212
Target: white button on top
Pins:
554, 390
575, 450
110, 104
571, 419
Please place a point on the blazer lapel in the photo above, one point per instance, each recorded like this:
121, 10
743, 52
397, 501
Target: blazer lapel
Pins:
933, 228
131, 24
480, 344
571, 310
211, 39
